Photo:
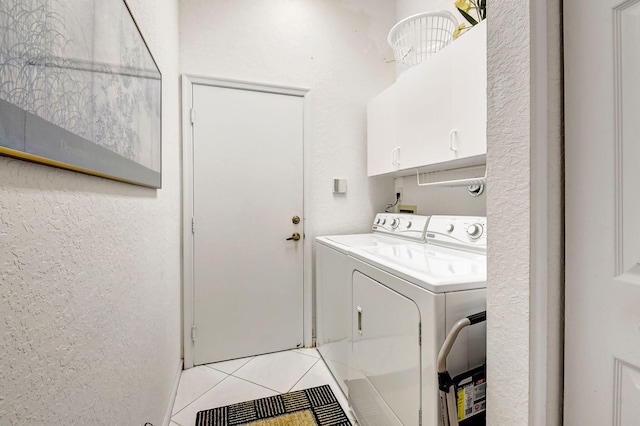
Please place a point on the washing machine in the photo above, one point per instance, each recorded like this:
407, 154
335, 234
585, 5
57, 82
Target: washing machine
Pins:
333, 282
405, 298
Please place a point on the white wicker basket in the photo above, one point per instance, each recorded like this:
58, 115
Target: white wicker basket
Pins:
417, 37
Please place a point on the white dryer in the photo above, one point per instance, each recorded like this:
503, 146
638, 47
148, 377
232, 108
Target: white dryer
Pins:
333, 282
405, 298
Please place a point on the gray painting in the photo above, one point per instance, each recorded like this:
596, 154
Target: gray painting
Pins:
79, 89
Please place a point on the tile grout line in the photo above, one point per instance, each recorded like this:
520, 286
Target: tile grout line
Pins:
316, 359
213, 368
275, 390
301, 377
310, 356
199, 396
257, 384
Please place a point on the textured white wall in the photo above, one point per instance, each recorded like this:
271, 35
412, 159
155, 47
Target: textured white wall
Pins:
90, 279
440, 200
411, 7
508, 212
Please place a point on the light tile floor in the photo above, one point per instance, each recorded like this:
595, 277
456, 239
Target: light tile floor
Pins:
228, 382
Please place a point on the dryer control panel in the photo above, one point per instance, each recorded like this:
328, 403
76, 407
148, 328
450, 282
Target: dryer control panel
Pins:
410, 226
461, 232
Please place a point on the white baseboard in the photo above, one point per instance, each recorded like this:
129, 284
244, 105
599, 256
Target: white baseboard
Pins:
174, 392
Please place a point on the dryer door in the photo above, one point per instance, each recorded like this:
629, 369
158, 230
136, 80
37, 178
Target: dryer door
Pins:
384, 365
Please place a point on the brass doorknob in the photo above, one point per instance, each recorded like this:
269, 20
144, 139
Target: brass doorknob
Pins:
294, 237
295, 219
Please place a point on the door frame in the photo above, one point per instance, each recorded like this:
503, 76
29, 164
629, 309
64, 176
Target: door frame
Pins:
188, 305
525, 289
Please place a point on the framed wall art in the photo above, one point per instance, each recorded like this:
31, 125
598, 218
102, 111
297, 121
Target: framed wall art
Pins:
79, 89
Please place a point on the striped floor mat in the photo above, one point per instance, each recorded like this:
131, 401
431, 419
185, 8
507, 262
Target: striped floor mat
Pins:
307, 407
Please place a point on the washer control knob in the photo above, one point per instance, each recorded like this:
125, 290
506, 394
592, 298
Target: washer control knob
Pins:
409, 224
384, 221
450, 227
475, 231
378, 221
395, 222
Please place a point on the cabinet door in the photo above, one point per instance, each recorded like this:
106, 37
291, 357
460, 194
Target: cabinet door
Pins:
424, 111
469, 93
382, 149
384, 366
436, 113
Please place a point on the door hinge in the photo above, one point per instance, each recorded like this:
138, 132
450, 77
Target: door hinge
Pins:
193, 225
193, 115
193, 333
420, 334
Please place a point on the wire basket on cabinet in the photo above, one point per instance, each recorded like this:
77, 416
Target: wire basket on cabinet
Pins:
416, 38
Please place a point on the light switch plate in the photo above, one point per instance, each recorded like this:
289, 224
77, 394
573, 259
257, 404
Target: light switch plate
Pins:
339, 186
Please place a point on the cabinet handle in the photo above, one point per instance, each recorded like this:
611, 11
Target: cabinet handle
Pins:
452, 140
359, 320
395, 156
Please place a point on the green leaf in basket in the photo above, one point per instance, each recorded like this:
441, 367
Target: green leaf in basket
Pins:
467, 16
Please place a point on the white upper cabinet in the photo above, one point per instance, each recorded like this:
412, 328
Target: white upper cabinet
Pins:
381, 134
469, 93
435, 115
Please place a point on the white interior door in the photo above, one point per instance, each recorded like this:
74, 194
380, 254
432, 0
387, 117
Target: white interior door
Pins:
247, 188
602, 101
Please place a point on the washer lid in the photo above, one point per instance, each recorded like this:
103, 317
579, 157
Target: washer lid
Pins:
437, 269
358, 240
347, 242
